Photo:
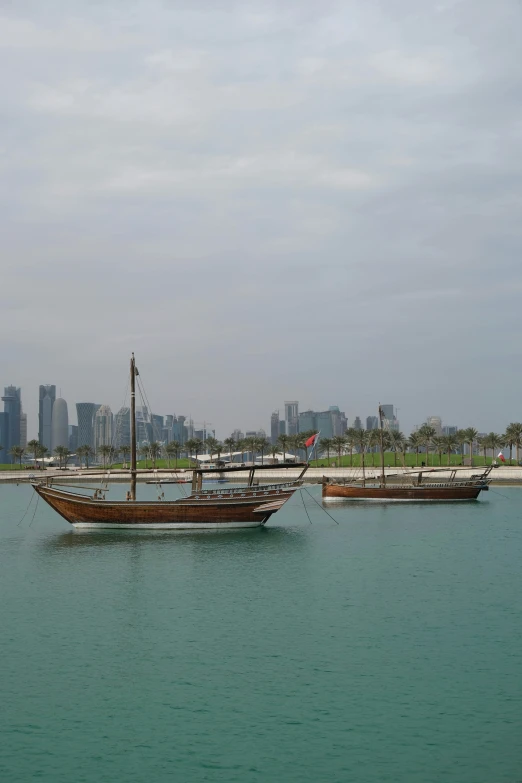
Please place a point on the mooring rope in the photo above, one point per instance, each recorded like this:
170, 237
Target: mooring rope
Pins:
321, 507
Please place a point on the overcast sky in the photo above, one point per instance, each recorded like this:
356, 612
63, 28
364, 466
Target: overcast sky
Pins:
265, 201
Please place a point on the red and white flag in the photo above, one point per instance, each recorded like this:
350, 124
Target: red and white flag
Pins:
311, 440
501, 457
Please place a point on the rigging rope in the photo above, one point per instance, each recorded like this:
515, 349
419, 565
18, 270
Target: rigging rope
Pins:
320, 506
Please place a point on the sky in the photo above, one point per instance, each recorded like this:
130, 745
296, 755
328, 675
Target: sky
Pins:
264, 201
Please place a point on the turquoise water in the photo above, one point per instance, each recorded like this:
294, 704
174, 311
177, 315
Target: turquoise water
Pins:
385, 648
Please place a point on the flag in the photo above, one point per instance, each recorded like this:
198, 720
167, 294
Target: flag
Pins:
311, 440
501, 457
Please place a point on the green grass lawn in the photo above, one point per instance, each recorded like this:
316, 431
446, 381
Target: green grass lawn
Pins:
160, 463
15, 467
390, 460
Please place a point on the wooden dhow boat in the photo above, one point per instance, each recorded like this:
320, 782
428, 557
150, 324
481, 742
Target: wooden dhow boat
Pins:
209, 509
447, 488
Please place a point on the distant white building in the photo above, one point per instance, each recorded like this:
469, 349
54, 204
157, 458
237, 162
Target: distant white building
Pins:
436, 423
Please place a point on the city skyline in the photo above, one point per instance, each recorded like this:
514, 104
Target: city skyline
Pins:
98, 425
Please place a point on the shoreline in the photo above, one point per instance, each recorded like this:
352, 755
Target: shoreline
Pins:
504, 476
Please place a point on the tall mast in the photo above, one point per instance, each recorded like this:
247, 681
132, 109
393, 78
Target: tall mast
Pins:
133, 427
383, 475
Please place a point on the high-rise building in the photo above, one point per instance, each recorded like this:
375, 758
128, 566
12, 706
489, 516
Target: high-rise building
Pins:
23, 430
307, 421
372, 423
102, 427
85, 412
157, 427
60, 424
282, 427
274, 427
12, 400
122, 428
4, 438
357, 423
449, 430
329, 423
73, 438
47, 396
389, 413
179, 431
292, 417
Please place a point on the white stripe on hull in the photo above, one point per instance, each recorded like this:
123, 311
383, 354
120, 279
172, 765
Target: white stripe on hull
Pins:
167, 525
397, 500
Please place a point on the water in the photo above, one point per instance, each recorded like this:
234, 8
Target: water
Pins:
385, 648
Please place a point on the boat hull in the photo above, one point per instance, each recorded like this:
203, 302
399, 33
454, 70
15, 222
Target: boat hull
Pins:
253, 510
432, 494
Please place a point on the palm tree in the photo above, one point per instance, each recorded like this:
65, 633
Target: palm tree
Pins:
230, 445
350, 437
155, 452
125, 452
60, 453
360, 440
495, 442
242, 446
197, 445
173, 449
450, 442
66, 456
144, 452
274, 451
42, 451
262, 445
415, 442
471, 435
86, 452
105, 452
397, 442
515, 437
326, 447
17, 452
427, 434
212, 446
33, 446
439, 445
339, 444
283, 443
251, 443
461, 438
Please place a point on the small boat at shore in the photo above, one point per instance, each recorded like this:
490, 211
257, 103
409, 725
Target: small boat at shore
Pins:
413, 487
204, 509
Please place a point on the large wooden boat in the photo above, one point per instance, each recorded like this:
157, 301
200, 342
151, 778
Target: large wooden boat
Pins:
414, 486
209, 509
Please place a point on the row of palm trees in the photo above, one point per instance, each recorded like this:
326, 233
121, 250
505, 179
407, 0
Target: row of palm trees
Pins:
426, 441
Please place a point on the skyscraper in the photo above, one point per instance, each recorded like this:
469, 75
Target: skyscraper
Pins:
372, 423
357, 423
274, 427
12, 400
292, 417
102, 427
23, 430
60, 425
85, 412
73, 438
45, 414
4, 438
122, 428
